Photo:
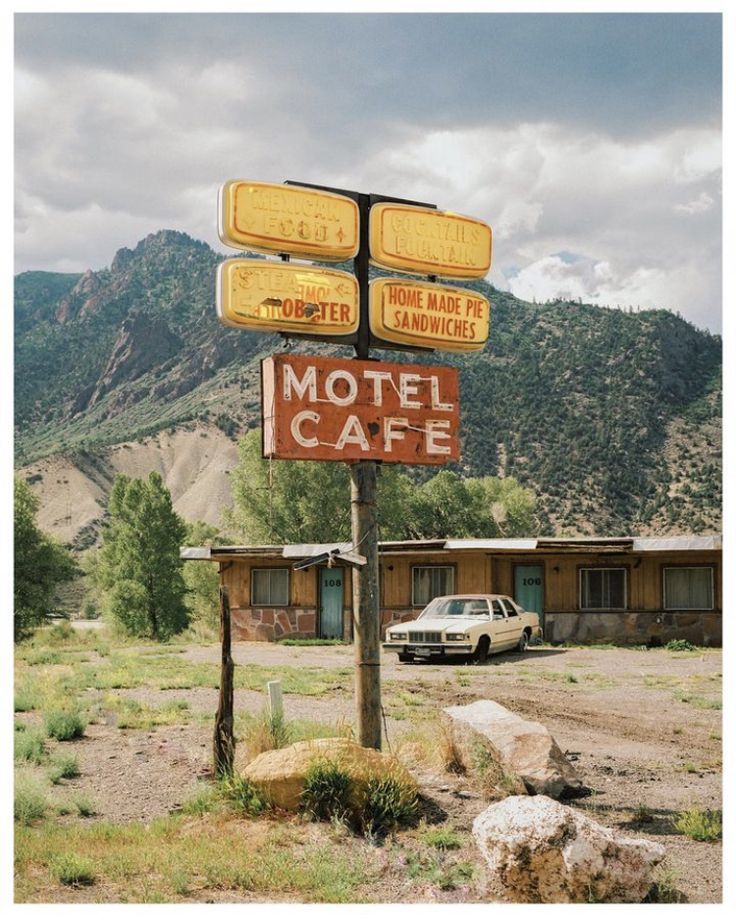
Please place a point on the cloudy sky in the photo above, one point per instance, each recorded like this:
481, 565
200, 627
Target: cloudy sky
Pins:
590, 143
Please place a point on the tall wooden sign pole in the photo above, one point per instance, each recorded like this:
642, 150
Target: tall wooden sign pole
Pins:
364, 522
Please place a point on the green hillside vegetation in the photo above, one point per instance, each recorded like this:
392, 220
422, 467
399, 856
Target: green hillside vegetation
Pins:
612, 418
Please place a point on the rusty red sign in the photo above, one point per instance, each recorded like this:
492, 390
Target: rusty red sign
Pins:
349, 410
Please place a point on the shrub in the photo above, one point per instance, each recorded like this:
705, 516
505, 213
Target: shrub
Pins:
29, 745
64, 767
64, 725
328, 792
700, 824
72, 870
29, 800
679, 644
244, 795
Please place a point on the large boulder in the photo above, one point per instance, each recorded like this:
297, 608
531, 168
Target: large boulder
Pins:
281, 774
540, 851
525, 748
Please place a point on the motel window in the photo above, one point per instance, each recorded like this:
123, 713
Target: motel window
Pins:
602, 588
269, 586
688, 588
430, 581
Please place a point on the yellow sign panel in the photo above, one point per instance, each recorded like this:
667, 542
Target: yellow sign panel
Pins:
425, 241
427, 315
269, 296
270, 218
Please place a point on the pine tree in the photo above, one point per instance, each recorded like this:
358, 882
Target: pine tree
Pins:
41, 564
139, 569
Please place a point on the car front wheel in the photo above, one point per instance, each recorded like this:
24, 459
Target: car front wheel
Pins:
480, 655
523, 641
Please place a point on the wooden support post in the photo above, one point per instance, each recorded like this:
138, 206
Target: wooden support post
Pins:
366, 604
224, 738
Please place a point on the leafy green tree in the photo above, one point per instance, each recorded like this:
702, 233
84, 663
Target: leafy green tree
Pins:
202, 581
41, 564
282, 502
138, 567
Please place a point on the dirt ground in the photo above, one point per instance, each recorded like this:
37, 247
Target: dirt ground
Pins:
643, 728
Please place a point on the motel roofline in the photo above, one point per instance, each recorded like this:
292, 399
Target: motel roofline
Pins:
584, 544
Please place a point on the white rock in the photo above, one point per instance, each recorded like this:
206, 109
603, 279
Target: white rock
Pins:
540, 851
525, 748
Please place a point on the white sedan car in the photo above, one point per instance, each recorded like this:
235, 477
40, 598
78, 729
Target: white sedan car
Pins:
474, 625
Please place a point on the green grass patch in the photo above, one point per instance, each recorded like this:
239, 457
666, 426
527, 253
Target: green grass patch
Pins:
680, 644
129, 713
244, 796
30, 800
25, 698
72, 870
311, 642
700, 824
63, 767
29, 745
140, 862
64, 724
442, 839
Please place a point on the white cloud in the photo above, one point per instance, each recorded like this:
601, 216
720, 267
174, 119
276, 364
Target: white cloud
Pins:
108, 155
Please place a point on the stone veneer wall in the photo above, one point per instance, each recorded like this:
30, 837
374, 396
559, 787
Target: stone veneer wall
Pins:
634, 628
269, 624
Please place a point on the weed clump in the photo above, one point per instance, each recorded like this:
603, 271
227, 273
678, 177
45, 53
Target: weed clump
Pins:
680, 644
327, 793
65, 725
700, 824
29, 800
72, 870
244, 795
65, 767
29, 746
372, 806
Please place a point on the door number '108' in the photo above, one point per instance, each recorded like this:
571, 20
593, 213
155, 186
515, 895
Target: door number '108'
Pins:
333, 583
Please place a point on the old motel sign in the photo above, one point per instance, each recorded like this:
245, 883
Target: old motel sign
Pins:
349, 410
429, 242
427, 315
287, 298
275, 219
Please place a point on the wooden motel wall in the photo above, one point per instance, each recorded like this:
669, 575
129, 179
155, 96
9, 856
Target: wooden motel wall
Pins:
643, 620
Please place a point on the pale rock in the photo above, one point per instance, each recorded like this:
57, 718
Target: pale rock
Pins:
281, 774
540, 851
525, 748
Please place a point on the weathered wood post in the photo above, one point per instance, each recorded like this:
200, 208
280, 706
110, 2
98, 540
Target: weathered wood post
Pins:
224, 738
364, 522
366, 612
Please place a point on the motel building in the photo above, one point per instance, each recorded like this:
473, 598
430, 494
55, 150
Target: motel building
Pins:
637, 591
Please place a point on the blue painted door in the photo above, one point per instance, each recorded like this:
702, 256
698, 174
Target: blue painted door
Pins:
330, 602
529, 589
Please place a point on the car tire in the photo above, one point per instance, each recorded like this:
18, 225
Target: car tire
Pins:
523, 644
406, 658
480, 655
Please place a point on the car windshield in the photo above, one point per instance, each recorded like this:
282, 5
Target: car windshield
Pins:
468, 608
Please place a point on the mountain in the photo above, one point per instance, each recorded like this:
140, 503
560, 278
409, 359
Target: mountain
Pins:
612, 417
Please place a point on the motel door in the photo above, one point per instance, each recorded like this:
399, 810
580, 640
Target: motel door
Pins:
529, 589
330, 602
